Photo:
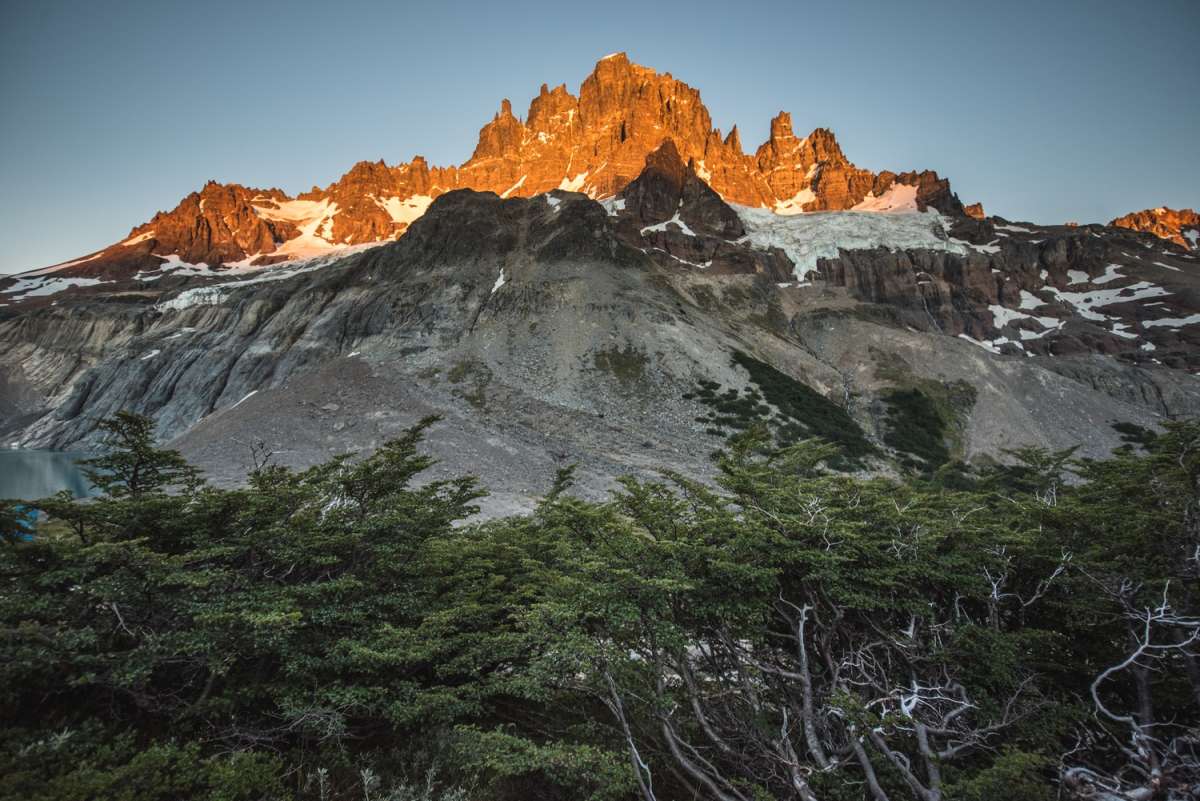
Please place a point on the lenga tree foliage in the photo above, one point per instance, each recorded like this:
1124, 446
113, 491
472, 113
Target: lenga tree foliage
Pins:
347, 632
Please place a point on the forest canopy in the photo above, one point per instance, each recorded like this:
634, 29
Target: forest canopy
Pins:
1027, 632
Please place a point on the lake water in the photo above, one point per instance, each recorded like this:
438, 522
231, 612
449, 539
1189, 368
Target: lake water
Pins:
29, 475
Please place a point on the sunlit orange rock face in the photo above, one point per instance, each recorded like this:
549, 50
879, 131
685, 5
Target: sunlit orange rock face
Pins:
215, 225
1181, 226
596, 143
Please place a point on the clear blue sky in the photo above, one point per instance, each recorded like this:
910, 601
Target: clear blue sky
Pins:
1045, 111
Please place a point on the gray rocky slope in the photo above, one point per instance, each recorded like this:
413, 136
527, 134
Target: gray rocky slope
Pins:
556, 329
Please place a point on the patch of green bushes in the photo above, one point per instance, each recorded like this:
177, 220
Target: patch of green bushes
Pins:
790, 408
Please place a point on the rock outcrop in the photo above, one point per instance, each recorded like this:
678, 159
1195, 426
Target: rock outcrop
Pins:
678, 220
1181, 226
217, 225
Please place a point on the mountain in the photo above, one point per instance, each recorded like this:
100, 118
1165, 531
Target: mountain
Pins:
627, 322
593, 143
1181, 227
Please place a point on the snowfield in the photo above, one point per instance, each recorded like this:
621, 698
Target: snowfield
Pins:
806, 238
314, 218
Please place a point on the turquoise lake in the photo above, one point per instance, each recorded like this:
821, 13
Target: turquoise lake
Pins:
28, 475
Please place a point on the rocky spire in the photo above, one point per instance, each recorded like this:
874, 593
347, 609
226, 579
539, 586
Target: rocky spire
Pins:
733, 142
502, 136
781, 127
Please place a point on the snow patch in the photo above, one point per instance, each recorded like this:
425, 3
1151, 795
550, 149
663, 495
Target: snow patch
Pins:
988, 346
514, 187
499, 281
990, 247
294, 211
1085, 302
1111, 273
1172, 322
40, 287
1119, 330
310, 216
613, 205
151, 354
573, 184
1030, 300
1002, 316
53, 268
175, 264
404, 210
133, 240
897, 198
795, 204
697, 265
662, 226
245, 398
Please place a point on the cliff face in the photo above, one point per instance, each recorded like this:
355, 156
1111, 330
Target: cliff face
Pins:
1181, 226
595, 142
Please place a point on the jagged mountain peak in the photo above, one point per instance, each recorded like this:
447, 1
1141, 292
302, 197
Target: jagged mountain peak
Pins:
595, 142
